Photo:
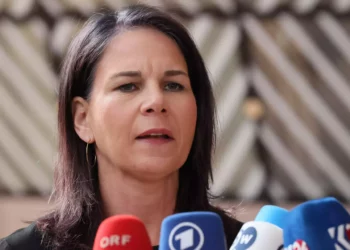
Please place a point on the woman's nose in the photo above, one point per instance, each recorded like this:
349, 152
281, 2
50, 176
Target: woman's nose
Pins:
154, 102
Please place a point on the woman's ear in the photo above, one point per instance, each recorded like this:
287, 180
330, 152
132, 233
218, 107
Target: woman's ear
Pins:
80, 108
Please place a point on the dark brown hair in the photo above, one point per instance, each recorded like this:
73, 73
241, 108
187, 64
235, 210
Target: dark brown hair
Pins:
73, 223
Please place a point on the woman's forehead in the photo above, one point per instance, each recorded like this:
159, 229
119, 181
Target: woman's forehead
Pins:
141, 42
141, 49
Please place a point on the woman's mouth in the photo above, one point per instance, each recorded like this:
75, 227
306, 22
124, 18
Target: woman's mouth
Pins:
156, 136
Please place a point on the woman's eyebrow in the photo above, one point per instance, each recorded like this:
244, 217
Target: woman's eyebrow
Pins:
172, 72
126, 73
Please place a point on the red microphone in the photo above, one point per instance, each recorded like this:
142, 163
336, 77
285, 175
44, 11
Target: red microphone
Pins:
122, 232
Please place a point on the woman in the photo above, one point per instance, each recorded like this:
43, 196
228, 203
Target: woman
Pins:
136, 131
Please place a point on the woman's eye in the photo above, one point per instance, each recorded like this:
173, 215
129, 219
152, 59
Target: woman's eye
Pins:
129, 87
173, 86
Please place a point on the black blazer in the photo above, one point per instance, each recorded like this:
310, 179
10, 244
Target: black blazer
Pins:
25, 238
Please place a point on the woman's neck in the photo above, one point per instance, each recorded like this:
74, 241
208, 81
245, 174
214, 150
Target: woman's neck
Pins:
150, 201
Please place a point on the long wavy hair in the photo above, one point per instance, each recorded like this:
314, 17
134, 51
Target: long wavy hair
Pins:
74, 221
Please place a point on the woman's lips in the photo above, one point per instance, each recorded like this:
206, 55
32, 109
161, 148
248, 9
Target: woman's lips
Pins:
155, 132
155, 140
156, 136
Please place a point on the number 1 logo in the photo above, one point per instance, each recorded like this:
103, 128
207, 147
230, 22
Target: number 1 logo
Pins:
188, 235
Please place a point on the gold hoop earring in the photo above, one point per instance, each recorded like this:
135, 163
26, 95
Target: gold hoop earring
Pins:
87, 156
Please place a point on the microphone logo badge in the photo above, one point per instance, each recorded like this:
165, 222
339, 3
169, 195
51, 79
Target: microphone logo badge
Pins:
341, 234
115, 240
298, 245
186, 236
245, 239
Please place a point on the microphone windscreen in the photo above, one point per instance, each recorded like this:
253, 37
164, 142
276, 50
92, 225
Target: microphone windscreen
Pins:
318, 224
119, 232
192, 231
263, 233
272, 214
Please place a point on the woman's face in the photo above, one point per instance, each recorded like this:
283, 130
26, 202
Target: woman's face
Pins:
142, 112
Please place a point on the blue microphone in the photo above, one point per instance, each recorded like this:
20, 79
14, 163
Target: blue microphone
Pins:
192, 231
272, 214
318, 224
265, 232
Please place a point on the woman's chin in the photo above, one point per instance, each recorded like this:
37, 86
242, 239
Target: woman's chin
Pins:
155, 169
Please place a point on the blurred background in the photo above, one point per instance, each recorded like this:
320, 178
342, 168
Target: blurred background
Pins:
280, 72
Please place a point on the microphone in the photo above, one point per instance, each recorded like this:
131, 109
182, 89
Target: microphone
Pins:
192, 231
318, 224
125, 232
265, 232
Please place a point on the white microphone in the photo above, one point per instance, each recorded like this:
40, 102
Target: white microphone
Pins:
265, 232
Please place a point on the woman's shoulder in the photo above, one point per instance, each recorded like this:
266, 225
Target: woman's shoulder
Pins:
28, 238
